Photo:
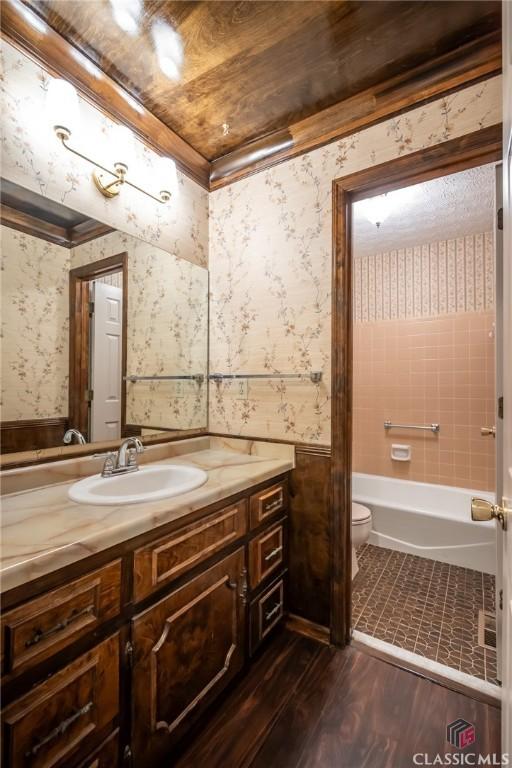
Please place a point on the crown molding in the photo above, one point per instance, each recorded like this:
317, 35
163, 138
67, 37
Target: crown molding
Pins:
49, 49
468, 64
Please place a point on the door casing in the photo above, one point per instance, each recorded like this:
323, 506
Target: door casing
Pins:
79, 279
474, 149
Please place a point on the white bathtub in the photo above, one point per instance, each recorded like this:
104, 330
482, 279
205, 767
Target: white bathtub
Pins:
427, 520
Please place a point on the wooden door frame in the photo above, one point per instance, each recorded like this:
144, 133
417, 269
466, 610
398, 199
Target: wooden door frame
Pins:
79, 337
474, 149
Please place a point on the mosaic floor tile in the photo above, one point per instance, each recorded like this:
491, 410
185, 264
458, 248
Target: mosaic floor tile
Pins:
424, 606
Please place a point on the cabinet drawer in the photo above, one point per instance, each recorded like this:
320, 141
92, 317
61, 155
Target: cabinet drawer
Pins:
267, 503
167, 558
41, 627
266, 612
46, 727
266, 554
106, 755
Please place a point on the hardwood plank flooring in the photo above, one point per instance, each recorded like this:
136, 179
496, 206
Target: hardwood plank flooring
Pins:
306, 705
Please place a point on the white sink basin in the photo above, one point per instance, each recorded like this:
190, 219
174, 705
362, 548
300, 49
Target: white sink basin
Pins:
147, 484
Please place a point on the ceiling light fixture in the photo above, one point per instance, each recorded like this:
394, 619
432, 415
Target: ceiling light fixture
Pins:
169, 49
376, 209
126, 14
63, 114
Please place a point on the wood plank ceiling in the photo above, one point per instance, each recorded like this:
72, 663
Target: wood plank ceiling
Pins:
265, 79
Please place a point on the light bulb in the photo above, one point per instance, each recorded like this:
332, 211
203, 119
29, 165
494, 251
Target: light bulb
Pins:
122, 143
169, 49
376, 209
126, 14
62, 107
168, 177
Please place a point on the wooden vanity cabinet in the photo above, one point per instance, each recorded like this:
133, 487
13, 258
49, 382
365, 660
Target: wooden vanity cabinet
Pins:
109, 664
186, 648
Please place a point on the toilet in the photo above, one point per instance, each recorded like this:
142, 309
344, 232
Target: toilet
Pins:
361, 527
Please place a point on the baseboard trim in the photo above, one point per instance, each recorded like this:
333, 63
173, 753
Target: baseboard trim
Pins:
308, 628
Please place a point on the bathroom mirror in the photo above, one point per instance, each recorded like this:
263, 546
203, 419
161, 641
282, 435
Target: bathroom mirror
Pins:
101, 332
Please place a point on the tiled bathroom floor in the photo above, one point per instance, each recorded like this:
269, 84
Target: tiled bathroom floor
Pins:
424, 606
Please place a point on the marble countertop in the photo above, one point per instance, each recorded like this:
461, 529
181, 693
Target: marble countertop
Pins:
43, 530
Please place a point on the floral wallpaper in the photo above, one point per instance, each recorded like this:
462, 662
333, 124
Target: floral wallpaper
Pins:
167, 330
270, 268
426, 280
33, 158
35, 327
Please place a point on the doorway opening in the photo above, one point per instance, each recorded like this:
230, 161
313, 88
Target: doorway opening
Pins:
98, 320
414, 403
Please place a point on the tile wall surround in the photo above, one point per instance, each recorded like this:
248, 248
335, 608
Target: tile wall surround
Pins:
419, 371
270, 267
33, 158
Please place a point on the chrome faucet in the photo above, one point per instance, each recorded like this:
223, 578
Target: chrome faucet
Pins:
127, 455
124, 460
70, 434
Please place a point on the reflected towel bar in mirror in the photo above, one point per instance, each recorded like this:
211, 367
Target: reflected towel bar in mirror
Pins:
199, 377
315, 376
430, 427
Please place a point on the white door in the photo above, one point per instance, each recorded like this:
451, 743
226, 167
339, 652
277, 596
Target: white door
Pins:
106, 362
506, 351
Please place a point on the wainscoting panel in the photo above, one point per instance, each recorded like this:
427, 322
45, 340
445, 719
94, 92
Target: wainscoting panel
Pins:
309, 557
31, 434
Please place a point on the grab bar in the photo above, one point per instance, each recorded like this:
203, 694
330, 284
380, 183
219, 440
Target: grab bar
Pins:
429, 427
315, 376
198, 377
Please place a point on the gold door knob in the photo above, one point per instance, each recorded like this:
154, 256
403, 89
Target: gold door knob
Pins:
486, 431
483, 511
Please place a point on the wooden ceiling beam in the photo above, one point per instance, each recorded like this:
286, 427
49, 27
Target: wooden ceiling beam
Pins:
54, 53
469, 64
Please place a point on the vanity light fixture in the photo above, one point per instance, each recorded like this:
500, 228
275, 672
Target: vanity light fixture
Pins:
63, 114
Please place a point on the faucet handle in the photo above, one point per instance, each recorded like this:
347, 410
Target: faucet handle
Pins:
110, 462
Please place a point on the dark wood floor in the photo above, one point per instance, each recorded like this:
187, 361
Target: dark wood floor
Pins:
304, 704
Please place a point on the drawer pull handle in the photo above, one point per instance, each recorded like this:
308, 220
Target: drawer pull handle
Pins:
40, 635
59, 729
243, 586
275, 505
272, 554
273, 612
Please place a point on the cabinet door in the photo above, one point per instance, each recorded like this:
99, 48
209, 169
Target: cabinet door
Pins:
186, 649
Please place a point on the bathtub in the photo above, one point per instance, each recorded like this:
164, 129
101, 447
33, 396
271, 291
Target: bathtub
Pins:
428, 520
